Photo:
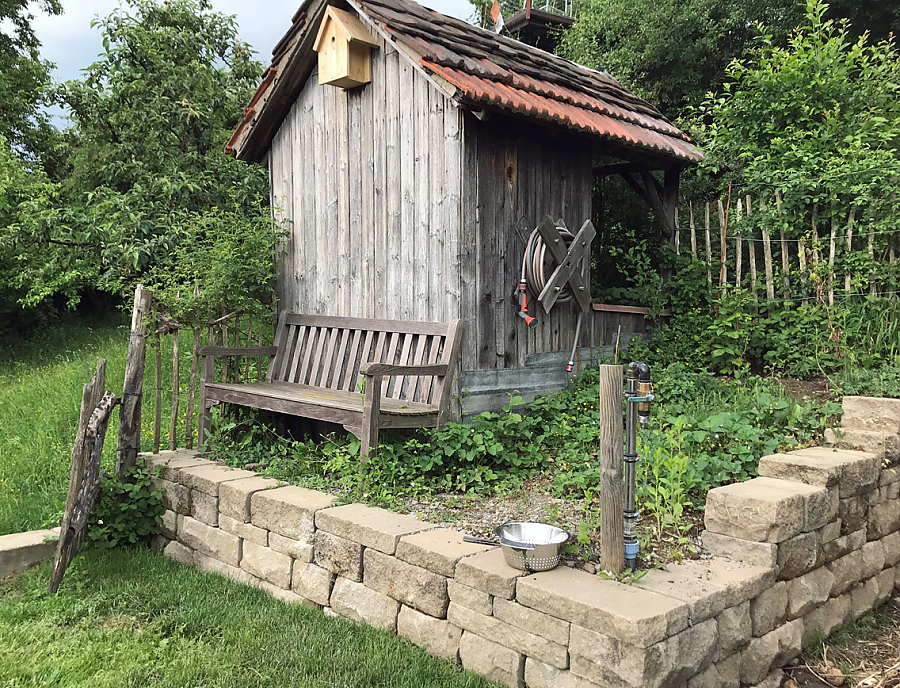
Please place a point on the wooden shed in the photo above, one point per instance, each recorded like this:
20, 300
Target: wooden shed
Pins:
412, 196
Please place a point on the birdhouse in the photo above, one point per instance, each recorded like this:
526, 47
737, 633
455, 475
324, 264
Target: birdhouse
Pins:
344, 46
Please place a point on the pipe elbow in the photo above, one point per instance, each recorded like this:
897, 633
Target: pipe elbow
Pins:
640, 370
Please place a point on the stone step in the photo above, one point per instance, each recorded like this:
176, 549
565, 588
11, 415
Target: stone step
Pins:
768, 509
874, 441
871, 413
849, 471
21, 551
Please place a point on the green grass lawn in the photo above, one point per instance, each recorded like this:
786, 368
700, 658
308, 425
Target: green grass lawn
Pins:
133, 618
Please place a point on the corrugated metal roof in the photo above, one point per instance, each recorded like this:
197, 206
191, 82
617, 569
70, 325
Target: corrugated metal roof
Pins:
487, 69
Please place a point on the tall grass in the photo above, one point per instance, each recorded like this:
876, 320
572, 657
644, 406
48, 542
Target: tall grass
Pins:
41, 378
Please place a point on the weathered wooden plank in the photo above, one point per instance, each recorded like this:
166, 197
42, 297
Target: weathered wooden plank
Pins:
378, 274
339, 362
421, 262
469, 240
192, 387
408, 284
320, 161
129, 439
352, 362
453, 175
739, 247
176, 383
347, 264
723, 236
488, 192
367, 323
157, 422
299, 208
307, 223
396, 185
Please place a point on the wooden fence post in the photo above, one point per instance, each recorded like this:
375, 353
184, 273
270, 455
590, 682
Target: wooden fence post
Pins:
612, 497
129, 444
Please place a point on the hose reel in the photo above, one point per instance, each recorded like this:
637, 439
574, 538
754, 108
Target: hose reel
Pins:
553, 242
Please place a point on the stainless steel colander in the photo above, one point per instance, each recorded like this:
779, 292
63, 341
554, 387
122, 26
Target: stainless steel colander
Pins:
528, 546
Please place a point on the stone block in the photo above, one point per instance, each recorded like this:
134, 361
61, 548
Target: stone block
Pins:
247, 531
798, 555
884, 519
708, 678
863, 597
178, 552
437, 550
853, 512
773, 680
891, 545
859, 470
208, 478
625, 612
754, 553
494, 662
213, 542
820, 622
872, 559
889, 476
369, 526
285, 595
489, 572
288, 511
158, 543
168, 527
809, 591
355, 601
341, 557
611, 662
481, 602
509, 636
867, 441
821, 471
312, 582
439, 638
833, 549
205, 508
266, 564
412, 585
769, 609
234, 496
774, 649
165, 464
829, 532
175, 497
761, 509
871, 413
301, 551
885, 581
822, 508
729, 670
536, 622
847, 570
540, 675
735, 628
857, 539
205, 563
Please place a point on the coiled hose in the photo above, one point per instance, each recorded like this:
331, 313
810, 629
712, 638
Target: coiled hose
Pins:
534, 279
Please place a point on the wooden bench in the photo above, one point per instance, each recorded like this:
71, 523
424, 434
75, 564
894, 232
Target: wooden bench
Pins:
360, 373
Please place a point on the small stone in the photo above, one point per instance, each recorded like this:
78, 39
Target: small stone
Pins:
169, 525
891, 545
439, 638
735, 628
174, 496
863, 597
884, 519
589, 567
853, 511
205, 508
798, 555
847, 571
809, 591
361, 604
773, 649
481, 602
266, 564
178, 552
165, 464
768, 610
340, 556
872, 559
494, 662
540, 675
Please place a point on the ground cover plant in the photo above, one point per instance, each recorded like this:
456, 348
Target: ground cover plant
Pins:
130, 617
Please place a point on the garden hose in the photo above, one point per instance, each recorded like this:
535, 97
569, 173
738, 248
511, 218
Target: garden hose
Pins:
534, 279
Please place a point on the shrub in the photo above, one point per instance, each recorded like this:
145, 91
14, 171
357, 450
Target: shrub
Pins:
127, 512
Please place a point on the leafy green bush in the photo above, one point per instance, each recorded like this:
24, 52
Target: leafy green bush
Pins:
881, 382
127, 512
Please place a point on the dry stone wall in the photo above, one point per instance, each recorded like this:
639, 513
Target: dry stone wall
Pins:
811, 543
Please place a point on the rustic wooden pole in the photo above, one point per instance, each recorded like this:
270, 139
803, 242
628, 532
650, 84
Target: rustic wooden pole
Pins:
129, 444
752, 247
176, 382
677, 232
192, 388
831, 250
249, 344
739, 247
693, 230
849, 245
723, 234
225, 359
708, 247
612, 497
157, 423
873, 290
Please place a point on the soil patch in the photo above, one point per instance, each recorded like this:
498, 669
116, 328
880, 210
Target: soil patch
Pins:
818, 389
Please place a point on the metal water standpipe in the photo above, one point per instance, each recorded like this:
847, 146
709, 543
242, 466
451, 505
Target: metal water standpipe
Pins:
638, 395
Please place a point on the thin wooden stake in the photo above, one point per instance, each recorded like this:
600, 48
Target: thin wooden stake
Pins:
158, 422
873, 290
176, 382
831, 250
693, 230
225, 359
677, 233
752, 247
785, 254
723, 233
612, 535
739, 246
849, 243
708, 248
192, 390
249, 344
129, 443
767, 257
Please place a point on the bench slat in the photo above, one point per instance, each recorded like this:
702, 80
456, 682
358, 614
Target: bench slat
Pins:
368, 324
340, 361
390, 356
433, 357
404, 360
308, 351
349, 375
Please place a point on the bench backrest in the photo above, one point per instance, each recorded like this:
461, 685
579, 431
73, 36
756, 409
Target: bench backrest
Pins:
325, 351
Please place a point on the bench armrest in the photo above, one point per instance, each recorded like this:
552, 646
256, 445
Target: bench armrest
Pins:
372, 368
238, 351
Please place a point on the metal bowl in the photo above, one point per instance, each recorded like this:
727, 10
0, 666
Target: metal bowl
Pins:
529, 546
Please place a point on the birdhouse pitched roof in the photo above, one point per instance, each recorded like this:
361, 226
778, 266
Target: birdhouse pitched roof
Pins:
478, 69
347, 26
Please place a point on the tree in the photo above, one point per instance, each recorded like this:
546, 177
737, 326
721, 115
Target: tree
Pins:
150, 121
673, 52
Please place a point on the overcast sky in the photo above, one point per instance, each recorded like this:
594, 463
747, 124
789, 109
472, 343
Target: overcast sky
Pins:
70, 42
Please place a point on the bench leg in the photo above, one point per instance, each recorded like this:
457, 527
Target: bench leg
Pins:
368, 441
203, 411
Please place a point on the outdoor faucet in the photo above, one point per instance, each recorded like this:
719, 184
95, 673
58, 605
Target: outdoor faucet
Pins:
638, 395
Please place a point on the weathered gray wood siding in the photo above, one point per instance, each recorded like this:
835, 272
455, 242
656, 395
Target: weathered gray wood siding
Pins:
368, 181
515, 173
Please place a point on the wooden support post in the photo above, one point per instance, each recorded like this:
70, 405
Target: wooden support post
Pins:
176, 382
192, 390
767, 258
723, 234
708, 247
129, 443
612, 497
371, 411
785, 254
157, 423
752, 246
848, 235
739, 247
693, 230
831, 250
873, 290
